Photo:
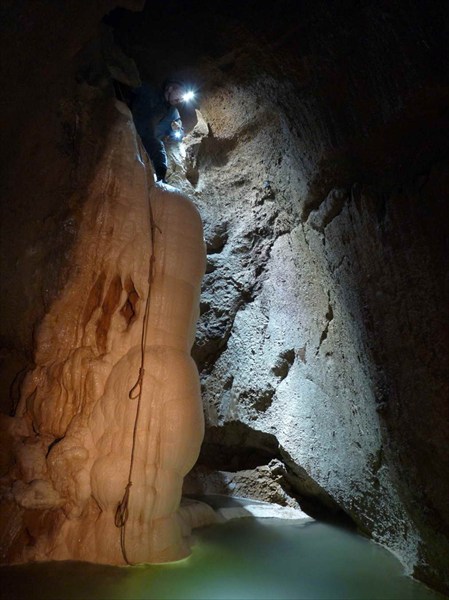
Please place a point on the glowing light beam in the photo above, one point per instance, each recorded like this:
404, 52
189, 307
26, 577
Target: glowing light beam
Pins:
188, 96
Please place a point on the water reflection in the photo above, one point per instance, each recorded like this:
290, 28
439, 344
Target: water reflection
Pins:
242, 559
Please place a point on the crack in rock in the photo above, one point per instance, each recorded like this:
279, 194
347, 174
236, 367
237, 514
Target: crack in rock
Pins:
329, 318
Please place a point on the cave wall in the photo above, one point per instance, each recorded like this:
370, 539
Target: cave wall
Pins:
320, 170
54, 119
324, 318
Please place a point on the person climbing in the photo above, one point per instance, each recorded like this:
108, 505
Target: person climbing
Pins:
157, 120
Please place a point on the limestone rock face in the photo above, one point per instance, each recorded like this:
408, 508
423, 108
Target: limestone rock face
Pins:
137, 252
320, 176
266, 483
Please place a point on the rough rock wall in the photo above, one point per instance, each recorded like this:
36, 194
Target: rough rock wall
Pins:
319, 168
289, 357
331, 339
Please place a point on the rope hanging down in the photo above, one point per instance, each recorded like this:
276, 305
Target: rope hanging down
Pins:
122, 512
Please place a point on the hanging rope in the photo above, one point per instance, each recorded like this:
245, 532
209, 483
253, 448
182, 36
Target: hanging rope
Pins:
122, 512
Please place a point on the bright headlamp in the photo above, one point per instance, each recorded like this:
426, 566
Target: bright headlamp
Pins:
188, 96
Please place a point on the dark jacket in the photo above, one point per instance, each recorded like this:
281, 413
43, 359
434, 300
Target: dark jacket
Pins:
153, 118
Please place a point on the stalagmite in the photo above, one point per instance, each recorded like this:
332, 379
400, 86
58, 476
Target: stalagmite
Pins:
72, 436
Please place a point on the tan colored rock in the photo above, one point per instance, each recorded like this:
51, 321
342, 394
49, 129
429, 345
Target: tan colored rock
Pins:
266, 483
76, 417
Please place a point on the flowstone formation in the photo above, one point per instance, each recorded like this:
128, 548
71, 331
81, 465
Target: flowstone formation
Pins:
113, 380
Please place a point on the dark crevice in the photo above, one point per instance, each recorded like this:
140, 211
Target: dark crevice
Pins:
216, 240
284, 363
129, 309
257, 399
15, 389
233, 458
327, 210
329, 318
235, 447
53, 444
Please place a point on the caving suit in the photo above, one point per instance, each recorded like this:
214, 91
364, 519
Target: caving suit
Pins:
153, 118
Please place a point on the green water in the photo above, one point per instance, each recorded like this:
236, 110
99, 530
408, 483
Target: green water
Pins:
241, 559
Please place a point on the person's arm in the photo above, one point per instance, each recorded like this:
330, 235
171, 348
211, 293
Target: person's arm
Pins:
171, 126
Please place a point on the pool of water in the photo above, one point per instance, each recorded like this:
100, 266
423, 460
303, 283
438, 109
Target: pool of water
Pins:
240, 559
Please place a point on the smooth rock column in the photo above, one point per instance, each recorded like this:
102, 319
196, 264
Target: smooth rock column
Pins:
72, 436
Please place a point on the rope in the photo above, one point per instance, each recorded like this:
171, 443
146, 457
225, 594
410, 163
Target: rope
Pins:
122, 512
